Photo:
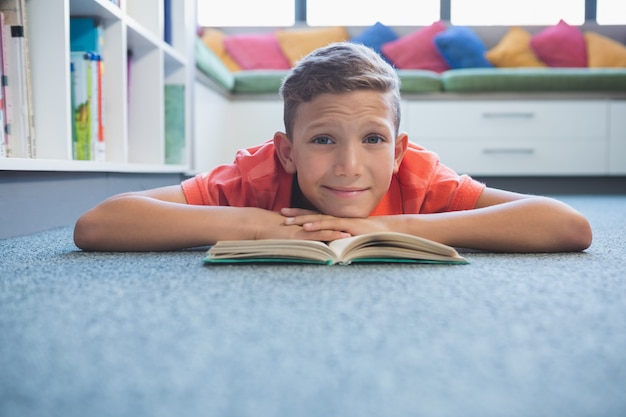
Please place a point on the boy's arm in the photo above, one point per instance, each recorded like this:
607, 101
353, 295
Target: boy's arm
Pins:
161, 219
501, 221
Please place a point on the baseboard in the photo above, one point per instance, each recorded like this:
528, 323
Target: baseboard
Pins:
36, 201
591, 185
32, 202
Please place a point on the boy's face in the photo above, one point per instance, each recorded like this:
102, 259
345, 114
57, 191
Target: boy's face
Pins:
344, 151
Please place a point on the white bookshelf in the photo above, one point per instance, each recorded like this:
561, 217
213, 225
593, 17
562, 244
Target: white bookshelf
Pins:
134, 100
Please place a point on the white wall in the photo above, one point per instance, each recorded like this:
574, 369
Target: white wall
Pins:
223, 126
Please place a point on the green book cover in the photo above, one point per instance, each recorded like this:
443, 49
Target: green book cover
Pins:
174, 124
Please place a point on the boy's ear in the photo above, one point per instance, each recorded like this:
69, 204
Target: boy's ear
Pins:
402, 143
284, 151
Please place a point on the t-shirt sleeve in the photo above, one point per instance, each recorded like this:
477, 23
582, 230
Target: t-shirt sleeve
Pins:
428, 186
215, 188
449, 191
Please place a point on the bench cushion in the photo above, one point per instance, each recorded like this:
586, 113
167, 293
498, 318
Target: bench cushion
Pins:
259, 81
419, 81
481, 80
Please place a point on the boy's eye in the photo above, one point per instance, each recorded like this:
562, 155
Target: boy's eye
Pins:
322, 140
373, 139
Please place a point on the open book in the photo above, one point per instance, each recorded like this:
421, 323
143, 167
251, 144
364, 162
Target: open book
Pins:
372, 247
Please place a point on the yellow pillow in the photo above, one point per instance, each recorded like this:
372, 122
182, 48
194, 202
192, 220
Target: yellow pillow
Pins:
514, 50
604, 52
214, 40
296, 43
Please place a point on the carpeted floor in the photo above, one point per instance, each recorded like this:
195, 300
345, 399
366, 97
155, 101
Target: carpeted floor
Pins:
159, 334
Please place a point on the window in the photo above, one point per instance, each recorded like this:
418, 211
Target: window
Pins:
246, 12
517, 12
368, 12
404, 12
611, 12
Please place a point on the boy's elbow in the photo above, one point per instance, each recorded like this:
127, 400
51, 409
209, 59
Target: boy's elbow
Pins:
585, 234
578, 234
85, 233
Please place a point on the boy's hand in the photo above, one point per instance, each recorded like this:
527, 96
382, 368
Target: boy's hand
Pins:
312, 222
278, 226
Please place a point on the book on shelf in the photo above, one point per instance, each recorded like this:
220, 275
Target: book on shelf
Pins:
19, 126
379, 247
3, 104
174, 96
87, 77
167, 21
81, 115
98, 148
87, 106
85, 34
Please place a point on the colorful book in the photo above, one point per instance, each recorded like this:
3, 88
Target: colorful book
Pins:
19, 118
81, 112
85, 34
96, 122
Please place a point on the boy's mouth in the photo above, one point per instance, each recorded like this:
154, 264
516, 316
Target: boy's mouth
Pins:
345, 192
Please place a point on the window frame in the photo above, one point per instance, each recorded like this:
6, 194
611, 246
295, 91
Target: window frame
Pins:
444, 11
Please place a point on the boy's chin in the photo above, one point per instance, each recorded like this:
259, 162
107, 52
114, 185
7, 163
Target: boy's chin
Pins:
347, 212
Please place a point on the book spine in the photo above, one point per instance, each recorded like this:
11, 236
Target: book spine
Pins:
97, 109
19, 146
73, 106
167, 21
81, 112
92, 91
6, 90
3, 135
19, 118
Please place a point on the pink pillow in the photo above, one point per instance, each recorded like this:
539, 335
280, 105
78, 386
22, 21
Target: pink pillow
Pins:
256, 51
560, 45
417, 50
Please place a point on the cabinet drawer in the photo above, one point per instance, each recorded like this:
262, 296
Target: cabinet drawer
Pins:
508, 119
532, 157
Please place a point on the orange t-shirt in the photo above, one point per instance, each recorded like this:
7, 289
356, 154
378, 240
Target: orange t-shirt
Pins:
257, 179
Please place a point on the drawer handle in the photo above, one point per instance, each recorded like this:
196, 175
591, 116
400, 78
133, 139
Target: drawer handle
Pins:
509, 115
508, 151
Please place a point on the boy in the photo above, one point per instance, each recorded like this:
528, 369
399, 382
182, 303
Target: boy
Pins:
341, 168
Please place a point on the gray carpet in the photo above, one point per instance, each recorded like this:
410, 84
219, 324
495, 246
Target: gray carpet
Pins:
159, 334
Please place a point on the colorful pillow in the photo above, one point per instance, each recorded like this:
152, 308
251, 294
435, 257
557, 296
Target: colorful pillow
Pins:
256, 51
297, 43
461, 47
514, 50
214, 40
417, 50
560, 45
375, 37
604, 52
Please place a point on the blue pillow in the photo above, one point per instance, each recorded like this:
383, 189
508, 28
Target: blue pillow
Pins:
461, 47
375, 37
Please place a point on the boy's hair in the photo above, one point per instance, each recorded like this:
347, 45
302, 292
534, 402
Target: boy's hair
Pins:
338, 68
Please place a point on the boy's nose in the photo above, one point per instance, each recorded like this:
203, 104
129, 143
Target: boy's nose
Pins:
348, 162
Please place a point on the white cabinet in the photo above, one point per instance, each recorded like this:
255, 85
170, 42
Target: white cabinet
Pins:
138, 63
617, 145
515, 137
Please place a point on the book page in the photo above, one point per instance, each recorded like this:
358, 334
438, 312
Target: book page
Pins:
272, 249
390, 244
